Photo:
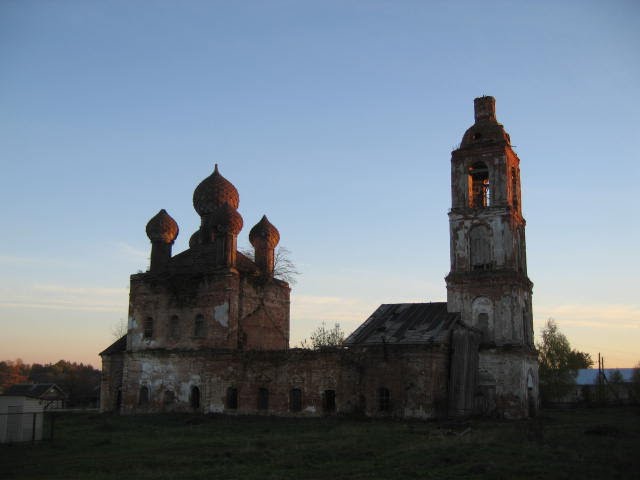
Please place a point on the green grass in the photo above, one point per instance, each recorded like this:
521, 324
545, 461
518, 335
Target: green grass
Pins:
576, 444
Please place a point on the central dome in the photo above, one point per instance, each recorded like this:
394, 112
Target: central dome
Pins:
213, 192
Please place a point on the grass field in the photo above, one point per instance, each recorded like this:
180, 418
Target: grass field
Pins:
574, 444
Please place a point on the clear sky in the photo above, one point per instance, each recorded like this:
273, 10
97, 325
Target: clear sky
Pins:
336, 119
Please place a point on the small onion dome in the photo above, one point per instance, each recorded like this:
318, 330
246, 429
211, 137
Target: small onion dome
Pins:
227, 219
162, 228
264, 231
213, 192
195, 239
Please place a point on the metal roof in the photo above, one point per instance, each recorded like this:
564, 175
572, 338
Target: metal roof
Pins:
35, 390
589, 376
405, 323
119, 345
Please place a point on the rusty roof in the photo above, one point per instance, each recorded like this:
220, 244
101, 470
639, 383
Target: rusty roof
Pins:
405, 323
119, 345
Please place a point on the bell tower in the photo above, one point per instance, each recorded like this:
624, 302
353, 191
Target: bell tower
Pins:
488, 282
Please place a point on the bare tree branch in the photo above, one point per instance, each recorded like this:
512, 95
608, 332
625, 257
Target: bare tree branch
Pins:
283, 266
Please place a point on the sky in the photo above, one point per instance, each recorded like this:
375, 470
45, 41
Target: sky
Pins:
337, 120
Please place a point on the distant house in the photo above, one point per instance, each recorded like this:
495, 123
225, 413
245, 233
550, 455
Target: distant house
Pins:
591, 388
51, 396
22, 409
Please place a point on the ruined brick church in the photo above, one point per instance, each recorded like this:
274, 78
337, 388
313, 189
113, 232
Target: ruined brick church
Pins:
208, 328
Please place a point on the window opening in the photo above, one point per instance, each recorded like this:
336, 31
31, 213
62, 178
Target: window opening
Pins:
143, 398
329, 401
169, 397
295, 400
198, 327
148, 328
174, 327
483, 325
232, 398
194, 398
479, 186
263, 399
384, 404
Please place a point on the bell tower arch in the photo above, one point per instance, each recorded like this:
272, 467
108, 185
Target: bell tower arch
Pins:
488, 283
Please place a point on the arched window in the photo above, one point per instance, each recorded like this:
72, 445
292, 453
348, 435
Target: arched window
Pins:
329, 401
384, 400
168, 397
198, 326
147, 327
143, 397
480, 248
194, 398
232, 398
263, 399
479, 186
295, 400
174, 327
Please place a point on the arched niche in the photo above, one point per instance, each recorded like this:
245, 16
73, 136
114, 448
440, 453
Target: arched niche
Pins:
482, 317
480, 248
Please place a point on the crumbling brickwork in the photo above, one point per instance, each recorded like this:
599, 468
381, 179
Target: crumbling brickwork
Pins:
209, 328
488, 281
330, 382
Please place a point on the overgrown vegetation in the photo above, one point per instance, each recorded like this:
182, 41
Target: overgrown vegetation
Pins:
283, 267
558, 363
324, 337
585, 444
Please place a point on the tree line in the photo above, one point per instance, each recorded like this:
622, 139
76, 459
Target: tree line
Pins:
78, 380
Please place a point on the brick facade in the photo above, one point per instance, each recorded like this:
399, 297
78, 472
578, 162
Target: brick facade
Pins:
209, 328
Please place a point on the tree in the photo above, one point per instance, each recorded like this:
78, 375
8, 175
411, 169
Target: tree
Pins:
283, 267
578, 360
323, 337
12, 372
77, 380
558, 363
616, 377
119, 329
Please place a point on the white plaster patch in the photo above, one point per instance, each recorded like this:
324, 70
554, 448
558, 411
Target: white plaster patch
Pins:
310, 409
221, 314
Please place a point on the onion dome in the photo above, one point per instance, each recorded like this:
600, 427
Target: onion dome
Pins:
162, 228
227, 219
195, 239
265, 232
213, 192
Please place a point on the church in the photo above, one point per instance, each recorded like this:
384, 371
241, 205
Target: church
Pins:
208, 328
